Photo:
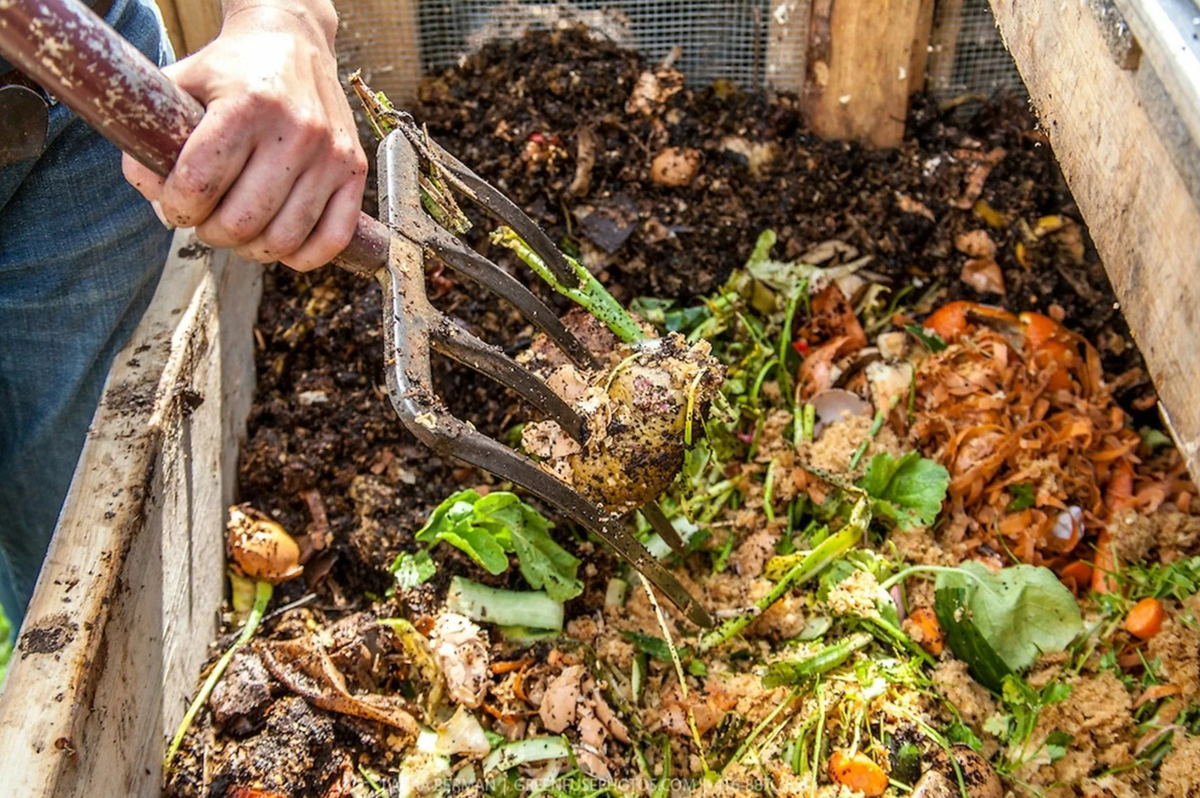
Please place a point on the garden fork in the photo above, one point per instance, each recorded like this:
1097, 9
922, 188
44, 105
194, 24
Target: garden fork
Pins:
113, 87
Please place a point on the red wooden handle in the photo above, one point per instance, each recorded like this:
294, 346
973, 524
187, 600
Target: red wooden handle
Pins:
104, 79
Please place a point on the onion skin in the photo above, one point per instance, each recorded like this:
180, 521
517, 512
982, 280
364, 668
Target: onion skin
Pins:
260, 548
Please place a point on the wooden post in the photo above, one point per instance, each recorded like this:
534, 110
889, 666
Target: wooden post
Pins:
787, 41
191, 23
944, 43
1115, 133
860, 62
382, 38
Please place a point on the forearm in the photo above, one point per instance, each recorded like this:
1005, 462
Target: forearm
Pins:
319, 15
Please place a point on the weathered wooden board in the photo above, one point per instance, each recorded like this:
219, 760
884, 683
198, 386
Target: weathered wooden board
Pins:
125, 606
1131, 183
191, 23
860, 57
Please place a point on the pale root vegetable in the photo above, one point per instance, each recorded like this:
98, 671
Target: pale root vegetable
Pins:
260, 548
637, 415
858, 772
1145, 619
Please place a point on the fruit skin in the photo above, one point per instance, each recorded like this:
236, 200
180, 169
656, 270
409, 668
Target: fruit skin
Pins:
260, 548
858, 772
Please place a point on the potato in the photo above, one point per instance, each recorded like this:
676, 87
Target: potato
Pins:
636, 413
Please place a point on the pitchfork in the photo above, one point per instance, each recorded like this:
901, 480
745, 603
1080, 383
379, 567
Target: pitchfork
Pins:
118, 91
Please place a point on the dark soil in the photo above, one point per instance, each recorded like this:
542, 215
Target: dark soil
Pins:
322, 424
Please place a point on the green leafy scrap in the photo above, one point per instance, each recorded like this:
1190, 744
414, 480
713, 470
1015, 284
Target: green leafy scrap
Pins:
1023, 497
489, 528
412, 569
933, 342
1014, 615
908, 490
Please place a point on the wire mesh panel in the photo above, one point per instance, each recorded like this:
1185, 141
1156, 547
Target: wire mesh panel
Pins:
721, 39
752, 43
969, 57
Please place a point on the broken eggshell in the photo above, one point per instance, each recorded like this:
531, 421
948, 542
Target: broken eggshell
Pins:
834, 405
260, 548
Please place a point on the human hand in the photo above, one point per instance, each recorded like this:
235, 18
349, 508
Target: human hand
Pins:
274, 170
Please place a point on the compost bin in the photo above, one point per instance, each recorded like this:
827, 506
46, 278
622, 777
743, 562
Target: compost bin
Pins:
967, 208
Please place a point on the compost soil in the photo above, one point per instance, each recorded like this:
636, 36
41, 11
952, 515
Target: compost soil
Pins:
326, 455
516, 113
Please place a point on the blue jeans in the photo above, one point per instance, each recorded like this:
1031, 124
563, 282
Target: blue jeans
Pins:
80, 256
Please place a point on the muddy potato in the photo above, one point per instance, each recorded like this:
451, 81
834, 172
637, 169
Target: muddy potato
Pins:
637, 432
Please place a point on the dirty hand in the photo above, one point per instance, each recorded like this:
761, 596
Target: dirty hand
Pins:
275, 169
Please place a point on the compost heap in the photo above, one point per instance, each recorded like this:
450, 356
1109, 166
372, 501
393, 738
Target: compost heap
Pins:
942, 556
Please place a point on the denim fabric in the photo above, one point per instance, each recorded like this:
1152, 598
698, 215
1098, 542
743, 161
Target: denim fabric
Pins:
80, 256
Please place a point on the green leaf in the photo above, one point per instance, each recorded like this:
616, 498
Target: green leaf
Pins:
1021, 612
1022, 497
933, 342
909, 490
961, 733
489, 528
411, 569
985, 665
1056, 744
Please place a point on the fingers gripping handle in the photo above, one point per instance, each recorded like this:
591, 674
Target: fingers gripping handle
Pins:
104, 79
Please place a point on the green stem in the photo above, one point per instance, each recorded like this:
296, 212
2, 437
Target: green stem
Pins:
262, 597
809, 566
900, 576
590, 294
532, 609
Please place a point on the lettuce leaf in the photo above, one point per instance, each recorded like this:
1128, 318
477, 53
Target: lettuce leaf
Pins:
489, 528
908, 490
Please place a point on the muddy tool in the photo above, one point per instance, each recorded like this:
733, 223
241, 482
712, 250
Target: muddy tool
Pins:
113, 87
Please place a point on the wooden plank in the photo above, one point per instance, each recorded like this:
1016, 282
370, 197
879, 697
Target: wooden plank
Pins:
125, 605
200, 21
1141, 216
860, 56
174, 29
787, 41
944, 44
1166, 31
382, 38
922, 35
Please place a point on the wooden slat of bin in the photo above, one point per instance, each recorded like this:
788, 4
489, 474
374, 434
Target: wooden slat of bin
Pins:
1142, 218
125, 606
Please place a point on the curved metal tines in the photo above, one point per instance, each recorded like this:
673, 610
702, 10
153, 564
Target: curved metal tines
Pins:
464, 260
455, 342
487, 197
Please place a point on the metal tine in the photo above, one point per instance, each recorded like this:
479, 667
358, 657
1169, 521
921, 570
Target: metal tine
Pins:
479, 450
659, 523
504, 209
453, 341
467, 261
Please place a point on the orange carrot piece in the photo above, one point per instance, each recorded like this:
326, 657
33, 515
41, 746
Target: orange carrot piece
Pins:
1145, 620
1103, 579
933, 639
1118, 493
510, 665
1039, 329
1155, 692
858, 773
1079, 573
